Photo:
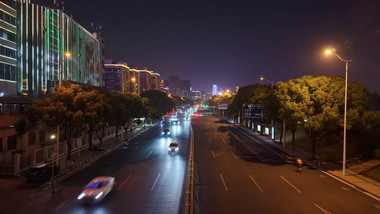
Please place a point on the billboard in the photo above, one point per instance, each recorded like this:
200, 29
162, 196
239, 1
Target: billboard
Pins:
253, 111
222, 106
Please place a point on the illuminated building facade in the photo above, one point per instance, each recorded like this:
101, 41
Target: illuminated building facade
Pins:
44, 36
8, 48
118, 76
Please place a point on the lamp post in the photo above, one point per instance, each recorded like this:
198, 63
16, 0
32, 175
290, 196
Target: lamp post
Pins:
329, 52
271, 83
265, 79
66, 55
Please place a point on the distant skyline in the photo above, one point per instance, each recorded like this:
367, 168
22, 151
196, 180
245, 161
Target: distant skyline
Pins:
232, 43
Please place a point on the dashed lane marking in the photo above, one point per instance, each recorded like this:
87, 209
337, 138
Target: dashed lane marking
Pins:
148, 154
121, 185
154, 184
256, 183
234, 155
291, 184
61, 205
213, 154
323, 210
224, 183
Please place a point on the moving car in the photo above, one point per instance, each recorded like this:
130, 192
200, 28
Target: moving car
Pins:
173, 147
166, 132
97, 189
41, 172
175, 122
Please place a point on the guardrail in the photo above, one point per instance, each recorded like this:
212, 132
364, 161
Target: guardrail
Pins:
189, 206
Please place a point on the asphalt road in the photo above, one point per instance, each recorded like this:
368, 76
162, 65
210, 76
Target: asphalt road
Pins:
238, 173
148, 180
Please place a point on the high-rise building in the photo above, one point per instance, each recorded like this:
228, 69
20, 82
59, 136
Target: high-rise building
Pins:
119, 77
179, 87
44, 36
8, 48
215, 90
102, 53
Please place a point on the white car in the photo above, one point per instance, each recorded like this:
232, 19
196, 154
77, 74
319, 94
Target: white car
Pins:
173, 147
97, 189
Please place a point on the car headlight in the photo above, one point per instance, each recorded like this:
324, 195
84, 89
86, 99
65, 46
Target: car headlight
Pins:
163, 132
169, 149
81, 196
176, 149
168, 132
98, 195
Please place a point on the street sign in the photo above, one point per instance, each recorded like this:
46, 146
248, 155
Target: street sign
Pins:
253, 111
222, 106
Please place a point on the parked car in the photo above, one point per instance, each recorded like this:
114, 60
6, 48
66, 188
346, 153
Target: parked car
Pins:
41, 172
97, 189
173, 148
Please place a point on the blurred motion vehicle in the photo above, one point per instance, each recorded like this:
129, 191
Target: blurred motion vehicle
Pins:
97, 189
166, 132
173, 148
41, 172
175, 122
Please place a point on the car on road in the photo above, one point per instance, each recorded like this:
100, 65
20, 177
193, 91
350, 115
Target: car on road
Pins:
166, 132
97, 189
175, 122
41, 172
173, 148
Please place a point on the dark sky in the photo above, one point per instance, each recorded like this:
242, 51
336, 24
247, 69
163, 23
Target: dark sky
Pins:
232, 42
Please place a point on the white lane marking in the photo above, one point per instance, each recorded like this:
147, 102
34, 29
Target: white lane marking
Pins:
323, 210
377, 206
121, 185
218, 133
213, 154
256, 183
322, 176
148, 154
224, 183
151, 189
61, 205
234, 155
224, 141
291, 184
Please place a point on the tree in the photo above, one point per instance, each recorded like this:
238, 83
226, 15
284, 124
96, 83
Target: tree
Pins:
160, 101
62, 109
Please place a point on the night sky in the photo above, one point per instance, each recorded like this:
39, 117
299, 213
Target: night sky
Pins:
232, 43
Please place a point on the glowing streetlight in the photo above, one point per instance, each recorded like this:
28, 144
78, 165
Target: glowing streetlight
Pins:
67, 54
265, 79
329, 52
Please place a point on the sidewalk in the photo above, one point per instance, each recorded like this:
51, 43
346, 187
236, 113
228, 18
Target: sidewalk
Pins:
368, 186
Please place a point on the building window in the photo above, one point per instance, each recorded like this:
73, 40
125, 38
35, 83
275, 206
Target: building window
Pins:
7, 35
32, 138
12, 142
7, 52
7, 72
7, 18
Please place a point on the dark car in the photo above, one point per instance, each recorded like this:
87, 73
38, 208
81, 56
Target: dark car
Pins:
166, 132
41, 172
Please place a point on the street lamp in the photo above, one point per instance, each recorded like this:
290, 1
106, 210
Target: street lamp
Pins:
67, 54
329, 52
265, 79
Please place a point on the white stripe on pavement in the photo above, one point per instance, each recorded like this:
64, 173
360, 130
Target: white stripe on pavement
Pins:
61, 205
256, 184
224, 141
124, 182
151, 189
323, 210
234, 155
291, 184
148, 154
212, 152
224, 183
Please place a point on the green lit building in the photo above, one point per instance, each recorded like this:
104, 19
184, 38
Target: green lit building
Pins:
44, 35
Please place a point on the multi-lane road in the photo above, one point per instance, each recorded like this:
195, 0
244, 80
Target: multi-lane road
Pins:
148, 180
236, 172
